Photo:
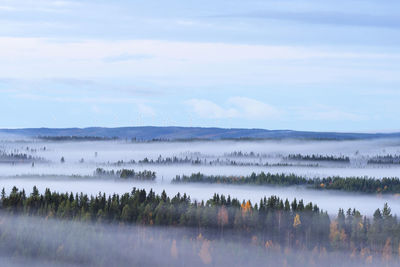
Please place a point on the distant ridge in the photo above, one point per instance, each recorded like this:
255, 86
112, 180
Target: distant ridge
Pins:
147, 133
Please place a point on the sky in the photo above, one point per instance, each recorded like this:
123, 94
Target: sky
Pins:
273, 64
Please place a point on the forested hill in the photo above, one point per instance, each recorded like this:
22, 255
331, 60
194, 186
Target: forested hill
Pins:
176, 133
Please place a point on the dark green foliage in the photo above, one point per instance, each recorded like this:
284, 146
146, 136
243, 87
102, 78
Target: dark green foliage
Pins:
144, 175
382, 235
351, 184
17, 157
388, 159
358, 184
269, 219
294, 224
260, 179
314, 157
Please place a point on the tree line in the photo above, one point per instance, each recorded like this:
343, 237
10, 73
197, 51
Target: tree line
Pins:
76, 138
314, 157
18, 158
271, 222
257, 179
387, 159
350, 184
145, 175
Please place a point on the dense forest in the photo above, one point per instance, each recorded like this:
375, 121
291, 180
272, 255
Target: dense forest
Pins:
144, 175
351, 184
18, 157
169, 160
273, 222
42, 242
258, 179
199, 161
387, 159
251, 154
314, 157
204, 161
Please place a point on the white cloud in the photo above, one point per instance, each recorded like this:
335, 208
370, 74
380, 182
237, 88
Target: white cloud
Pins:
48, 6
47, 58
146, 110
208, 109
326, 113
236, 107
96, 109
6, 8
126, 57
252, 108
248, 108
78, 99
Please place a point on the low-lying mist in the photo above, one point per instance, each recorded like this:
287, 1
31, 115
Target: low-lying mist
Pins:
83, 157
121, 150
47, 242
330, 201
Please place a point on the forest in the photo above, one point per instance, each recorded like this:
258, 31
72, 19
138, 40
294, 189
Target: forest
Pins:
314, 157
271, 222
349, 184
17, 157
211, 162
144, 175
387, 159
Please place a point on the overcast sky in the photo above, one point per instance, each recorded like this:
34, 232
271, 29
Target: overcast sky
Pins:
278, 64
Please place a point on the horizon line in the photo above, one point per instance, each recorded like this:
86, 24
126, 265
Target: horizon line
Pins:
207, 127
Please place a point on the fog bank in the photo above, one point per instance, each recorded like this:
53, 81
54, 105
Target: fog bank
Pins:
47, 242
330, 200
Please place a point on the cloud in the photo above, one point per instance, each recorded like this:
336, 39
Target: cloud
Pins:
45, 6
323, 18
326, 113
146, 110
77, 99
186, 63
96, 109
208, 109
253, 108
236, 107
127, 57
248, 108
7, 8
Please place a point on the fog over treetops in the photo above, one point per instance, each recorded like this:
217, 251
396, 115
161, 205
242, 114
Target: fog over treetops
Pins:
26, 163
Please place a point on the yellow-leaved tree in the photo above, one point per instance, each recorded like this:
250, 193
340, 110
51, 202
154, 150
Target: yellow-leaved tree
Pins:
296, 221
246, 207
334, 234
